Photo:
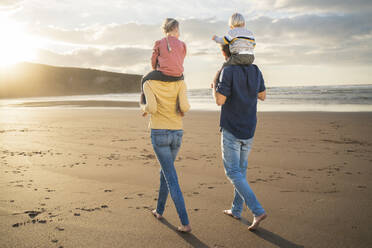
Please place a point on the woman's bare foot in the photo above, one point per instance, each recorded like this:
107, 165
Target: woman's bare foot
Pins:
256, 221
157, 216
229, 213
184, 229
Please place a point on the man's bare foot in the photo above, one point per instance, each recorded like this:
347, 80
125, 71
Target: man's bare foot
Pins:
256, 221
157, 216
184, 229
229, 213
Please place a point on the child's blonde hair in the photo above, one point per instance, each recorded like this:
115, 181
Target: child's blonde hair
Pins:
169, 25
237, 20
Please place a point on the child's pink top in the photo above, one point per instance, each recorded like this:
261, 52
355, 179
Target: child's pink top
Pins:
169, 62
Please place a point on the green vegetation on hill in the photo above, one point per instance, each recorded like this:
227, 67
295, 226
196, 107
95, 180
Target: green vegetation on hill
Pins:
30, 80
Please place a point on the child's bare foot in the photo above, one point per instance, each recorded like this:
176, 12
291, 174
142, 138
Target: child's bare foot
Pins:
184, 229
182, 114
229, 213
256, 221
157, 216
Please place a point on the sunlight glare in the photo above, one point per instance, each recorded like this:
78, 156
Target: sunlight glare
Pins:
15, 44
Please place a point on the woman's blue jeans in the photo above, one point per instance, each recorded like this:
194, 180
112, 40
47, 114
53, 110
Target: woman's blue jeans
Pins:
166, 144
235, 159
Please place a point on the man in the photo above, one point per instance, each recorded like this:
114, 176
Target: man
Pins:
237, 90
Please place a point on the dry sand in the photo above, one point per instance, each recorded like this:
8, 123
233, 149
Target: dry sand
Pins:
88, 178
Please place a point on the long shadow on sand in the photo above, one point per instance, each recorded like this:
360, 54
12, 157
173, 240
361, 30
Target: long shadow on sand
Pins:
188, 237
272, 237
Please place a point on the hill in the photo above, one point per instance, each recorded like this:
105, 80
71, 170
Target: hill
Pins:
30, 80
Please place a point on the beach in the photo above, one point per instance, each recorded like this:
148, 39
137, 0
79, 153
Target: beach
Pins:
85, 177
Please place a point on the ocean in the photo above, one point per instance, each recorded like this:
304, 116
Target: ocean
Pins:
341, 98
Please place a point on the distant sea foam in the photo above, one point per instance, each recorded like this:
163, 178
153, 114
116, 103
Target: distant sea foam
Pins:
345, 98
341, 98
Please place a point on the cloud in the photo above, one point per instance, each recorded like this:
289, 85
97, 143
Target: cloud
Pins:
312, 6
9, 6
116, 58
303, 39
196, 33
6, 3
107, 35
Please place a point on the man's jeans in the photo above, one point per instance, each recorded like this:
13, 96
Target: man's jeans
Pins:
166, 144
235, 158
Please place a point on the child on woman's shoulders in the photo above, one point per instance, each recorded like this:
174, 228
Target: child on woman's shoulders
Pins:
167, 57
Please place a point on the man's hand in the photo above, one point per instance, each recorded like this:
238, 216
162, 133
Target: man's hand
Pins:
144, 114
262, 95
214, 37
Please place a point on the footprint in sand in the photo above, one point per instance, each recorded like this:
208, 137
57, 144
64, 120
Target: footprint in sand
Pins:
32, 214
290, 173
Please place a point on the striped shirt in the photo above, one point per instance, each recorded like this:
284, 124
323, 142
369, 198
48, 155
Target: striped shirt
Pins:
240, 40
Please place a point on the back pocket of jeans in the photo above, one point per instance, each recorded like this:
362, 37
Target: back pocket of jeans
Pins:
178, 140
161, 139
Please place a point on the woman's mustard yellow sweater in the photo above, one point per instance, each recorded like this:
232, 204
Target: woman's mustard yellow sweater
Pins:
162, 101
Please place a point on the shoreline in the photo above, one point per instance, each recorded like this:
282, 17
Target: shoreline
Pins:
108, 104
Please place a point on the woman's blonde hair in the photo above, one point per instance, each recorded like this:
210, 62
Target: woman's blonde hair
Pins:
237, 20
169, 25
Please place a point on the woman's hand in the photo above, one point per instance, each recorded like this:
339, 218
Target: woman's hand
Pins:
213, 85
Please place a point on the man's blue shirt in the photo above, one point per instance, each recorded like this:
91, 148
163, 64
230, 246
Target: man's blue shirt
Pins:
241, 85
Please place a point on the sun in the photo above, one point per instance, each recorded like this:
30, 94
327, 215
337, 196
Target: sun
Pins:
15, 44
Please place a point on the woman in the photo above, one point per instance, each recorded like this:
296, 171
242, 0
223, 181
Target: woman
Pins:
162, 101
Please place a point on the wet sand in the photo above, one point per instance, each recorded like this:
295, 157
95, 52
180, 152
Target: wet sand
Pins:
87, 103
89, 177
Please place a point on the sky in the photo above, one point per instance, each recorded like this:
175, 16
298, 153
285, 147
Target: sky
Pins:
299, 42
